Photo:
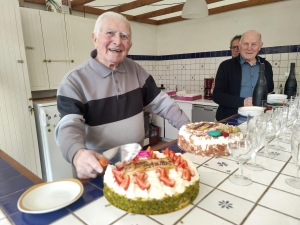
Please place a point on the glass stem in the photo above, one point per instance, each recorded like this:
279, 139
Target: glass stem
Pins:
241, 168
266, 147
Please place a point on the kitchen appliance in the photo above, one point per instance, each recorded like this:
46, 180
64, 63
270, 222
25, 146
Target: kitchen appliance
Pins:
204, 113
207, 88
54, 166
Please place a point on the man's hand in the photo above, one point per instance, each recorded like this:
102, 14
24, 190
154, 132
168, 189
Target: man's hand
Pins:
248, 101
87, 163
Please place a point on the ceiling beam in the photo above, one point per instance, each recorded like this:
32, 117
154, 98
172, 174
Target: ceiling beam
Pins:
240, 5
75, 3
88, 9
170, 20
133, 5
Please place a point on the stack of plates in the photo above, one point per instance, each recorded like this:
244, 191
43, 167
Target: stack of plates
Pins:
253, 110
276, 98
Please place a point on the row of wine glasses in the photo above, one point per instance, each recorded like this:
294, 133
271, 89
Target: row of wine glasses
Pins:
260, 130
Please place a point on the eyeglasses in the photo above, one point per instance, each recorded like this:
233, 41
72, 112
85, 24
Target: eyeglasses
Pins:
234, 47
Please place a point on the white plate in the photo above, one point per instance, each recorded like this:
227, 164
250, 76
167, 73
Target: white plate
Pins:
271, 101
256, 110
276, 96
50, 196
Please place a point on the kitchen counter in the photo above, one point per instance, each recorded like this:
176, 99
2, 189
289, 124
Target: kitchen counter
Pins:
200, 102
268, 200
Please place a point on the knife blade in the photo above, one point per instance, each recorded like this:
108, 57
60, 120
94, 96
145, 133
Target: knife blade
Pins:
123, 153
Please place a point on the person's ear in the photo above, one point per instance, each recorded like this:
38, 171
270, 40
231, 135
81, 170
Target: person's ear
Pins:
94, 40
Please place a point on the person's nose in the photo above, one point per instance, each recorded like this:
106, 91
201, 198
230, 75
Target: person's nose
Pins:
117, 39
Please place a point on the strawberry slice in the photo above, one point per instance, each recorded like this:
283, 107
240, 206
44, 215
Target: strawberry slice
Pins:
119, 179
162, 172
141, 175
120, 165
125, 183
142, 184
186, 174
174, 158
183, 165
118, 173
179, 160
167, 181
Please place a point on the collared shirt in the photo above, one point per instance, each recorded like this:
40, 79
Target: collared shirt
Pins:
249, 77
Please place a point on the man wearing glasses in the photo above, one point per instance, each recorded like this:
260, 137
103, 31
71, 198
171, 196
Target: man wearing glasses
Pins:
234, 47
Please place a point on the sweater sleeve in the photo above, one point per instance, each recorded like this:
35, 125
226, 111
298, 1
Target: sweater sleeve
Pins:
70, 131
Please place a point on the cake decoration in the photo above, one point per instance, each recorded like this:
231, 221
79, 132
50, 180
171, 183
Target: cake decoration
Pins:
164, 182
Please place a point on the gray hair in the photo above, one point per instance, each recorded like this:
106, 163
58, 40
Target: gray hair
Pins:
98, 24
252, 31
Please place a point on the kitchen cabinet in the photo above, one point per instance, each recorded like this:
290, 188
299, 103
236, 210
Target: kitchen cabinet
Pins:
54, 43
18, 136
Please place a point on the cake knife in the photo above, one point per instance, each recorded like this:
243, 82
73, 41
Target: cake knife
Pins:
122, 153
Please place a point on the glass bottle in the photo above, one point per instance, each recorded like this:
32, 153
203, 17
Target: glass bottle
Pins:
260, 91
290, 87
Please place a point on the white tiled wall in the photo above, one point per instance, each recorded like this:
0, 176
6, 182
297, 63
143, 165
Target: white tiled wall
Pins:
189, 74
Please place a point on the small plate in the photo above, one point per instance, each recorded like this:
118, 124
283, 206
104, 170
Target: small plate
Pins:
50, 196
256, 110
276, 96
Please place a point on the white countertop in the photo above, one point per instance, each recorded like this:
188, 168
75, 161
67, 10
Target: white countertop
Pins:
268, 200
200, 102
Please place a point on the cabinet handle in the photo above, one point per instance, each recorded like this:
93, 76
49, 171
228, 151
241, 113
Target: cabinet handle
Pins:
61, 60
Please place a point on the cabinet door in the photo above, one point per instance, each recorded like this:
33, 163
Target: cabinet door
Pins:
160, 122
34, 47
79, 36
56, 47
18, 136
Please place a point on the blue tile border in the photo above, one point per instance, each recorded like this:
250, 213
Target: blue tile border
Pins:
195, 55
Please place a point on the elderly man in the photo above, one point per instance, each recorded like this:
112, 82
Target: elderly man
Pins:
236, 77
102, 101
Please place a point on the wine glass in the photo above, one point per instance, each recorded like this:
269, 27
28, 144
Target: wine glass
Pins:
240, 148
295, 148
257, 123
270, 135
277, 126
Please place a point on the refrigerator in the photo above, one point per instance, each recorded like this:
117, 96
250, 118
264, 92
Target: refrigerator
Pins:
54, 166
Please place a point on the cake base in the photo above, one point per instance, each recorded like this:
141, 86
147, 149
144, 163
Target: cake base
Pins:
151, 207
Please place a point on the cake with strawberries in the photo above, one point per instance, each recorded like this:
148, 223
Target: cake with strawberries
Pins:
152, 183
206, 138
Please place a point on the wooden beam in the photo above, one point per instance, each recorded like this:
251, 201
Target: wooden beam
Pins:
170, 20
240, 5
21, 3
75, 3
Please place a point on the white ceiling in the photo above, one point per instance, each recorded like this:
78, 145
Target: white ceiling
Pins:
108, 4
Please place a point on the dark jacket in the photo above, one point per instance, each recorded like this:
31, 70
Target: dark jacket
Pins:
228, 86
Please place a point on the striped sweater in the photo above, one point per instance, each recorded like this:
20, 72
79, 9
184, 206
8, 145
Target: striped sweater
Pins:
103, 108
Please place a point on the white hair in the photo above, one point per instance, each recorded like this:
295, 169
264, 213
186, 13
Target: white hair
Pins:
99, 22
